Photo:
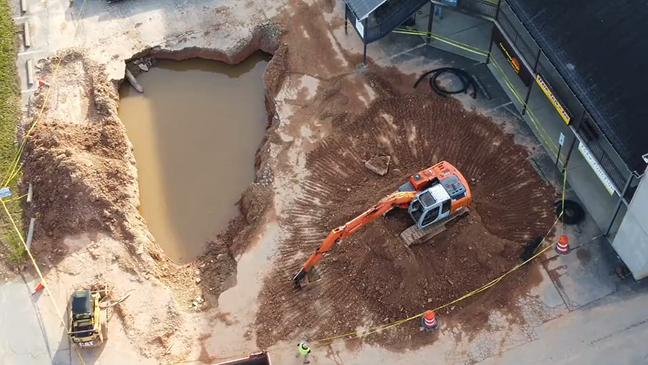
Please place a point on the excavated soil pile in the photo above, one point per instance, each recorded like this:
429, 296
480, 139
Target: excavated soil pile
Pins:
80, 163
83, 172
78, 157
218, 265
373, 278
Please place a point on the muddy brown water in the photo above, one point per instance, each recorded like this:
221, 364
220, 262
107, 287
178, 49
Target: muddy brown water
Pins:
195, 131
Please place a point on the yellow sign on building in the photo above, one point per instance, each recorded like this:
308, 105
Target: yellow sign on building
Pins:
553, 99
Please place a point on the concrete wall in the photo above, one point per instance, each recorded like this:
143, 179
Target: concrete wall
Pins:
631, 241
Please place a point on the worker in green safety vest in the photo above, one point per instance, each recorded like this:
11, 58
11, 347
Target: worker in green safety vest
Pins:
303, 350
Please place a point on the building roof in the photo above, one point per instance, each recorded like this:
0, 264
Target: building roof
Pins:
599, 47
362, 8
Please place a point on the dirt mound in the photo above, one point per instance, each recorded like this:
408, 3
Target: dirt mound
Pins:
373, 278
80, 163
78, 158
218, 265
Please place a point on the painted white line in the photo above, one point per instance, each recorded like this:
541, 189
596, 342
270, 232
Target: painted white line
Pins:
30, 71
498, 107
31, 14
406, 51
27, 35
31, 52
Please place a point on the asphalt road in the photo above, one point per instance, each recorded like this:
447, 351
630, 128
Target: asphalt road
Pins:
30, 332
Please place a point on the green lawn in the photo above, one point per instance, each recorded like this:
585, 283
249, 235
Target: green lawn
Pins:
9, 117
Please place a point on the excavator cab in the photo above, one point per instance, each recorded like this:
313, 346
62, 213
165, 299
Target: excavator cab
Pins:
435, 203
430, 206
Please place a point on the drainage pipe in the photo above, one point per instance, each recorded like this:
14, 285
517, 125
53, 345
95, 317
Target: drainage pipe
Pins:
133, 81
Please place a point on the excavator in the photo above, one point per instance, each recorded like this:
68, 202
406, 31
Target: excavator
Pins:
433, 197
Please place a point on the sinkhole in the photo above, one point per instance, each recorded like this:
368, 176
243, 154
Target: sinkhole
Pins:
195, 131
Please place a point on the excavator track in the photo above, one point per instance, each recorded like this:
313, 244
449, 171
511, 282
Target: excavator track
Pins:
414, 236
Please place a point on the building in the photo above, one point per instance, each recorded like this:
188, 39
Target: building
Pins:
574, 71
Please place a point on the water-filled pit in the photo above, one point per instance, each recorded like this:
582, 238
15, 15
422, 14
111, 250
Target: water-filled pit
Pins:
195, 131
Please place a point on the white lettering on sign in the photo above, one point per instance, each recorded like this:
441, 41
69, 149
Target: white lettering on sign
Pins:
598, 169
359, 27
561, 139
553, 99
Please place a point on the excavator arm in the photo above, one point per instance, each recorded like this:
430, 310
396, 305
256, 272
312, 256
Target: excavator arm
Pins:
399, 199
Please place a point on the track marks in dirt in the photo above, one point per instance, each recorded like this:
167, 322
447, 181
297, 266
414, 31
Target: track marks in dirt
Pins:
372, 278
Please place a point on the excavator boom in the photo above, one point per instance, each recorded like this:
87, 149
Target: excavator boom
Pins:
433, 197
398, 199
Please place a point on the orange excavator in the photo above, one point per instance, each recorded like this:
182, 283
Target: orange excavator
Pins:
433, 197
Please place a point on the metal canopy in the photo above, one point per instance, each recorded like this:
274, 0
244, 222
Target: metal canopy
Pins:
362, 8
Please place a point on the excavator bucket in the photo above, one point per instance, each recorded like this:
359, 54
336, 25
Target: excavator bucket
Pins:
414, 236
312, 277
304, 277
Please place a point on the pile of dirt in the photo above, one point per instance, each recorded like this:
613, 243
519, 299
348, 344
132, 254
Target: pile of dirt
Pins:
78, 157
217, 266
372, 277
82, 169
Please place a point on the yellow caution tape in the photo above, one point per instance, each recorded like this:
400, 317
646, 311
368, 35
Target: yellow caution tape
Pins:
538, 126
359, 334
16, 198
13, 172
449, 41
483, 288
320, 342
14, 168
551, 145
40, 275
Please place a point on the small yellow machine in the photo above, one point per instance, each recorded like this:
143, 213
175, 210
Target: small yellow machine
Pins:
88, 325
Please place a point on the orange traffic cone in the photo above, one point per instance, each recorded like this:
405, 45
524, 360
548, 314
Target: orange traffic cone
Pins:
43, 83
429, 321
562, 248
38, 288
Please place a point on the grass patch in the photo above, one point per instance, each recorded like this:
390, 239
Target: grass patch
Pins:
9, 119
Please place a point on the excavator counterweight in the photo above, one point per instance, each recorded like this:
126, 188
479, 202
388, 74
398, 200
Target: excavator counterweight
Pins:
433, 197
414, 236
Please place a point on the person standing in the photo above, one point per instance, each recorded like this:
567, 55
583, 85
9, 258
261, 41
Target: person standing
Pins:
303, 350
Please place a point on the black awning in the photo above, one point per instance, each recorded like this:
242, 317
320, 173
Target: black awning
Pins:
599, 47
362, 8
386, 17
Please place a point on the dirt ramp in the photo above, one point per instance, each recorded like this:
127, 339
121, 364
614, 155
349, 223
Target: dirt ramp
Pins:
373, 278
